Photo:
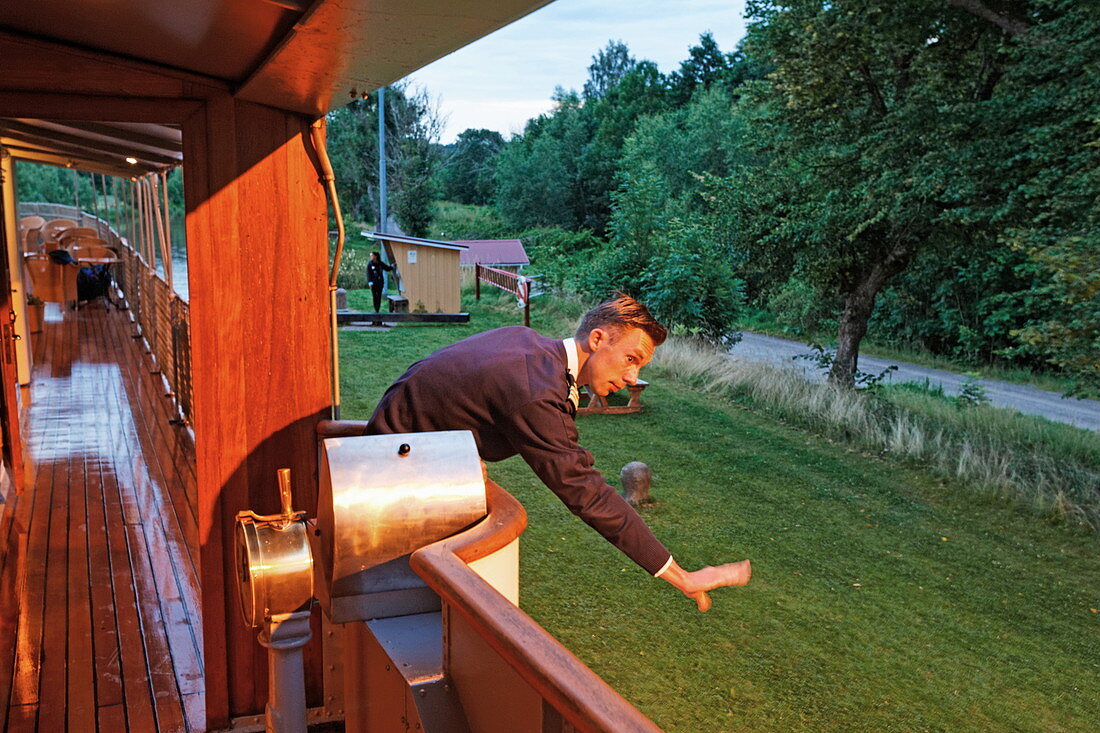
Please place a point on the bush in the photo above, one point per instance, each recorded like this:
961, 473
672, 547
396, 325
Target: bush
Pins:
694, 287
452, 221
562, 258
353, 269
802, 309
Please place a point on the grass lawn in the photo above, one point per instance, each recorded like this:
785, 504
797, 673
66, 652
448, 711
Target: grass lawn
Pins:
881, 599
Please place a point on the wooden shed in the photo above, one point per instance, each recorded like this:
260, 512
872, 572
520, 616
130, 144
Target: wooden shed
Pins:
427, 272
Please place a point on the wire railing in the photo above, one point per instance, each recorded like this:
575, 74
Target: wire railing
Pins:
159, 315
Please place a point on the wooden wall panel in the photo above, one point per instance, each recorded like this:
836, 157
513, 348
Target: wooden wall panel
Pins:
257, 267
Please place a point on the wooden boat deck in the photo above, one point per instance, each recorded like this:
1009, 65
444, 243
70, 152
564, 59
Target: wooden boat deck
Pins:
100, 620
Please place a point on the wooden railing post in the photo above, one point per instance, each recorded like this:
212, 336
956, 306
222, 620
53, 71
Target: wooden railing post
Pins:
477, 281
525, 286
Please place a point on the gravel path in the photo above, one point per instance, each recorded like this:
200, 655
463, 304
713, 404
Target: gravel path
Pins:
1029, 400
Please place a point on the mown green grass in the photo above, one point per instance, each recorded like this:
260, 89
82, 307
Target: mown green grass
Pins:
881, 599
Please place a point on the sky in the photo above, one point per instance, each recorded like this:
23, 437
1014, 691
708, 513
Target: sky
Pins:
502, 80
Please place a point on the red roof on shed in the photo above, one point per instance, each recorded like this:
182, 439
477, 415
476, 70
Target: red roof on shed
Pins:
493, 252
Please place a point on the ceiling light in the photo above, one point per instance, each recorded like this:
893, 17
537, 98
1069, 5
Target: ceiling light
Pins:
132, 161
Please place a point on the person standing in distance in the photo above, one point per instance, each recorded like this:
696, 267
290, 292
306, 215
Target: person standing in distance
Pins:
516, 391
376, 281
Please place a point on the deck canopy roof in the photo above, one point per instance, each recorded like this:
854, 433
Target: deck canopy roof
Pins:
116, 149
303, 56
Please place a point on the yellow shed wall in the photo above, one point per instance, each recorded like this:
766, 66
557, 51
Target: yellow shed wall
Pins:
433, 282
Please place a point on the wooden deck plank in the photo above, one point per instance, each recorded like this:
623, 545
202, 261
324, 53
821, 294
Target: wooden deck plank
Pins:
108, 655
55, 617
172, 561
169, 447
80, 667
32, 594
178, 623
112, 718
194, 711
11, 582
138, 696
15, 539
162, 678
107, 630
52, 694
23, 718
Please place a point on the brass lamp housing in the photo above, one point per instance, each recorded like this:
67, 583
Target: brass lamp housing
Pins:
274, 562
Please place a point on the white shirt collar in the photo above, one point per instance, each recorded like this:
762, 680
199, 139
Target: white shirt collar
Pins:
571, 356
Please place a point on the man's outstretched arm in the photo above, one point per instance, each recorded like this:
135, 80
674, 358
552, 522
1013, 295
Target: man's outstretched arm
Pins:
696, 584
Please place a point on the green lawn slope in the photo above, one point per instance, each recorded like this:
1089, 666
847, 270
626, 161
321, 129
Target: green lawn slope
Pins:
881, 599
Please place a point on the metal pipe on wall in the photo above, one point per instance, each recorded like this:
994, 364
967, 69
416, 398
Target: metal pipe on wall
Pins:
317, 132
165, 232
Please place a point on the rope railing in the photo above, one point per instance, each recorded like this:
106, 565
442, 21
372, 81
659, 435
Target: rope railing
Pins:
159, 315
510, 282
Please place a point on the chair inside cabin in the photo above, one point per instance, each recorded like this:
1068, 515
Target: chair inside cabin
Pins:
90, 248
52, 230
66, 237
30, 228
50, 281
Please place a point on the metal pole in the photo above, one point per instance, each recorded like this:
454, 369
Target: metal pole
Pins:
106, 203
76, 196
382, 215
284, 635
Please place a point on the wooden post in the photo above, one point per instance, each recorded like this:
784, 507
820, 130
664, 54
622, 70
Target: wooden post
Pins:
525, 288
477, 281
258, 266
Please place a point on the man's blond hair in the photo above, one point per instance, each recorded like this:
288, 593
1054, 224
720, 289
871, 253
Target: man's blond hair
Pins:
618, 313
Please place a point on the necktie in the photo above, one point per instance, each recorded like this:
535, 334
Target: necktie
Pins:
574, 394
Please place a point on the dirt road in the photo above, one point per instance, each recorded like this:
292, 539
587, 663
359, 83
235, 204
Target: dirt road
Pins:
1029, 400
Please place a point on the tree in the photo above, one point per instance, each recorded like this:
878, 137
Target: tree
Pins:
860, 124
537, 178
467, 175
1042, 153
704, 65
607, 69
413, 124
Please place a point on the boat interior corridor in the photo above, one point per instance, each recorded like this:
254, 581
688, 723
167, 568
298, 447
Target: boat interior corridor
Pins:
100, 627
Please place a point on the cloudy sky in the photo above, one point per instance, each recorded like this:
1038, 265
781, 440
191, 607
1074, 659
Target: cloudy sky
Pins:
505, 78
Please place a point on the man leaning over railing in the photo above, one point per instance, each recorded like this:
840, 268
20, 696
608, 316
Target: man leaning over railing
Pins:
516, 390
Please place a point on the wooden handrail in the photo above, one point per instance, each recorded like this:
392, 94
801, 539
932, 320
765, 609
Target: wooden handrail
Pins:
341, 428
576, 692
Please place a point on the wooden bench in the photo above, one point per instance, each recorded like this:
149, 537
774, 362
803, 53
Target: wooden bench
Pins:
599, 405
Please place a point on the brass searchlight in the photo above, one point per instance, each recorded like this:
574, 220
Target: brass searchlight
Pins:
273, 560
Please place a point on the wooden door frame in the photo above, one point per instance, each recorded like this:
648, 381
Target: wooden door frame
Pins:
10, 432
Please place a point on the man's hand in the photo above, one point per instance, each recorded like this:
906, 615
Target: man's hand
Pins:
696, 584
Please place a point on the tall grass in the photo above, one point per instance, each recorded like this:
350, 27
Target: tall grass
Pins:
451, 220
1051, 468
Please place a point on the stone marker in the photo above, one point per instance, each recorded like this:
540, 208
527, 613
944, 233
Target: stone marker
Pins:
636, 478
341, 299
